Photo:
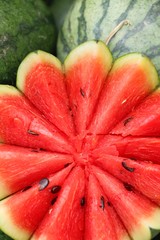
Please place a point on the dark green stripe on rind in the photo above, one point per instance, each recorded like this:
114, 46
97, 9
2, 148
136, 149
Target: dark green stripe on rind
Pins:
3, 236
150, 18
22, 30
82, 24
97, 29
124, 14
141, 36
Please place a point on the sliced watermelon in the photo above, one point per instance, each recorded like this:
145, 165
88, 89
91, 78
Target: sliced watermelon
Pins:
86, 69
65, 220
22, 213
51, 182
100, 218
140, 122
20, 167
137, 212
40, 77
131, 79
21, 124
142, 176
141, 148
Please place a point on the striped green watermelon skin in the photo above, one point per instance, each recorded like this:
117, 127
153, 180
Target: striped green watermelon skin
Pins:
92, 19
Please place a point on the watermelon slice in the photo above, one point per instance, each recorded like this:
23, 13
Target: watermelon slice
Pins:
135, 174
140, 122
105, 219
137, 212
118, 98
31, 202
141, 148
15, 160
74, 164
21, 124
37, 77
65, 220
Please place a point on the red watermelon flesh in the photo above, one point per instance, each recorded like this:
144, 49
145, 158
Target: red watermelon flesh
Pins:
21, 124
20, 167
65, 220
136, 219
33, 203
142, 176
141, 148
39, 82
60, 123
101, 219
84, 84
117, 97
144, 120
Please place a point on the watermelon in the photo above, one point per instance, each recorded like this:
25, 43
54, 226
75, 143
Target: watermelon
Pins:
25, 26
92, 19
71, 160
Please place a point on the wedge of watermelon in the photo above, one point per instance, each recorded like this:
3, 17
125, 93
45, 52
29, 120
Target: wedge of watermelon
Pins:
135, 174
100, 217
140, 122
141, 148
118, 98
37, 77
73, 164
32, 202
130, 205
20, 167
65, 220
21, 124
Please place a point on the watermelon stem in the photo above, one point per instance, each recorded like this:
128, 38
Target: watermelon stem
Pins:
116, 29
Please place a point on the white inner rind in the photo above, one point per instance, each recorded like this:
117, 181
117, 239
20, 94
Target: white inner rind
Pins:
31, 61
9, 227
94, 49
143, 232
142, 61
4, 190
8, 90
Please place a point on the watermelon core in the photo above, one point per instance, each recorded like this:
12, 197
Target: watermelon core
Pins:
79, 154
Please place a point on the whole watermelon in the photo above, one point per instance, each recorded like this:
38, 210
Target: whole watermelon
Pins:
92, 19
25, 26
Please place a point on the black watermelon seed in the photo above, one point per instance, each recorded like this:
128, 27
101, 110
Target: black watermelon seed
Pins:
83, 201
55, 189
43, 183
128, 186
53, 200
82, 92
130, 169
32, 132
109, 204
126, 121
102, 205
66, 165
26, 188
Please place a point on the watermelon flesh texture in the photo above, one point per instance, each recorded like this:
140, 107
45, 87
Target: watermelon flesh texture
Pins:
28, 127
145, 213
70, 213
105, 219
139, 175
132, 147
117, 98
15, 160
80, 149
140, 121
33, 203
42, 88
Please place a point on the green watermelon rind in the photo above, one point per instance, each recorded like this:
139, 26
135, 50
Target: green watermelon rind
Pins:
24, 30
93, 19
